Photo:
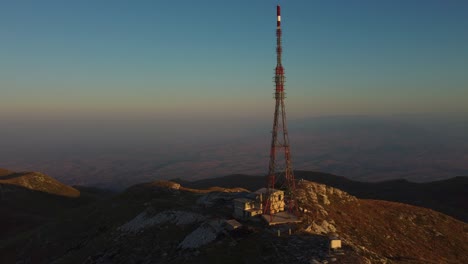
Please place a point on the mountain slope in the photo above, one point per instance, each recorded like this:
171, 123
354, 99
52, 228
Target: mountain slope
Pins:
163, 222
36, 181
446, 196
387, 230
29, 200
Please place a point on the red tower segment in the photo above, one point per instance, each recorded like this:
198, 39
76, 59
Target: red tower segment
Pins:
280, 173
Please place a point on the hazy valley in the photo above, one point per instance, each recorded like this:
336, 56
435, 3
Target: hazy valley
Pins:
114, 155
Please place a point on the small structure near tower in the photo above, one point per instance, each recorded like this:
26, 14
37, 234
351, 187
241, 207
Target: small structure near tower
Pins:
252, 205
245, 208
232, 224
276, 198
335, 241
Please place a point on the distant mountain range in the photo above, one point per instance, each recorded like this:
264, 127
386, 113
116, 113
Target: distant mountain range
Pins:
116, 156
45, 221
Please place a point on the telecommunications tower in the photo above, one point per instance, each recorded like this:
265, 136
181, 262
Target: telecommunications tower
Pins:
280, 173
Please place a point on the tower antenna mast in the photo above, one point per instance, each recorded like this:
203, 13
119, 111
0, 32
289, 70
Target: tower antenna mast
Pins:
280, 173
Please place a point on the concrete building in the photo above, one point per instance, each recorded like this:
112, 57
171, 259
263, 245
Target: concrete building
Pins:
232, 224
245, 208
276, 200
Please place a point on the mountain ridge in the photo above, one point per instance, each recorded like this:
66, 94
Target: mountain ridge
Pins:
169, 222
37, 181
447, 196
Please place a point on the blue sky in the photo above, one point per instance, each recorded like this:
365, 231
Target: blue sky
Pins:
215, 59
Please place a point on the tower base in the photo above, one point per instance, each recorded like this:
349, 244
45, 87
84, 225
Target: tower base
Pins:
281, 218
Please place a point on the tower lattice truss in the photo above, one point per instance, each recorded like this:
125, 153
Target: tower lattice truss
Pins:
280, 173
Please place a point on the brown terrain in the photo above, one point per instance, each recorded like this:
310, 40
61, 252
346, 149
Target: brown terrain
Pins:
36, 181
446, 196
395, 231
165, 222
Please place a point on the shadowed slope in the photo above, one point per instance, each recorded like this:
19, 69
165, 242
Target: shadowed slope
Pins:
31, 199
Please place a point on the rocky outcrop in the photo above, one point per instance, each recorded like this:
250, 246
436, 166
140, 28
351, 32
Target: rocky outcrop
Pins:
204, 234
147, 219
316, 197
321, 227
323, 194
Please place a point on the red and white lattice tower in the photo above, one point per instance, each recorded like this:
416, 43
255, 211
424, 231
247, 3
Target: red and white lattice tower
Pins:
280, 173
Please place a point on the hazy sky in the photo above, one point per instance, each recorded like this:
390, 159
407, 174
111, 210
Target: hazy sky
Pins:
94, 91
185, 59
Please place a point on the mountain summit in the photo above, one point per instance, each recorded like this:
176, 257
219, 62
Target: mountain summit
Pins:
166, 222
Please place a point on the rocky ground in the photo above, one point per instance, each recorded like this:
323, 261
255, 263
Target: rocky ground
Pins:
165, 222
